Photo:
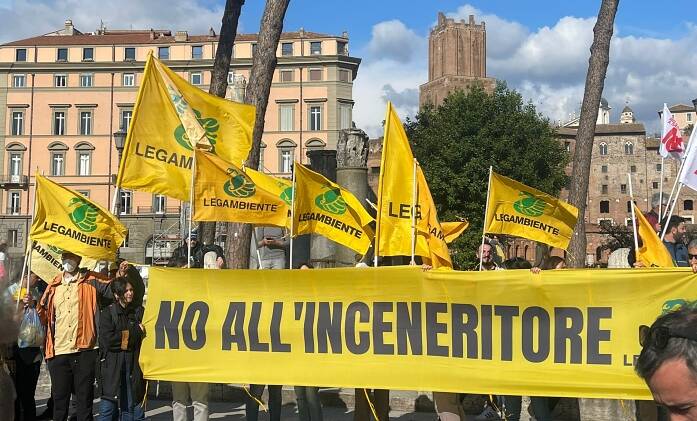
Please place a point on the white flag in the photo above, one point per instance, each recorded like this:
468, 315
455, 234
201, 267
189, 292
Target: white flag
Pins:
688, 174
672, 145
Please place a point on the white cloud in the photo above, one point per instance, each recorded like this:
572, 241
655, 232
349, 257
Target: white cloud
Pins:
393, 40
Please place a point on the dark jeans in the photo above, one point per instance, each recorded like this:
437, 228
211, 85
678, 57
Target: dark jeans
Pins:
252, 407
125, 409
309, 405
380, 400
542, 407
512, 406
25, 379
73, 371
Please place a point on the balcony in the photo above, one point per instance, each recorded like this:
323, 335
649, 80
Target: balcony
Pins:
13, 210
149, 210
14, 182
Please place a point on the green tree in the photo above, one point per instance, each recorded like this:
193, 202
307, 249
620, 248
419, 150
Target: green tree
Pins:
456, 143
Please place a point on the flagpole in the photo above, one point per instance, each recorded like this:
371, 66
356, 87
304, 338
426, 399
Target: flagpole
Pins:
27, 261
672, 190
292, 215
672, 208
660, 189
486, 211
413, 214
256, 246
191, 205
634, 226
24, 267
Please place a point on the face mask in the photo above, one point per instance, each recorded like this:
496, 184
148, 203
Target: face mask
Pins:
69, 265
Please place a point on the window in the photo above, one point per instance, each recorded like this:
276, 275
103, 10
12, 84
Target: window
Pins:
254, 50
262, 152
83, 163
62, 54
21, 54
85, 122
315, 117
17, 123
687, 205
342, 48
286, 160
88, 54
14, 204
344, 116
623, 188
603, 148
654, 185
13, 238
129, 79
125, 203
287, 49
196, 78
314, 144
60, 81
629, 208
344, 76
19, 81
163, 53
604, 206
315, 47
287, 112
57, 163
658, 167
159, 202
315, 74
230, 78
603, 189
126, 116
629, 148
197, 52
567, 147
85, 193
86, 80
632, 168
286, 75
689, 116
59, 123
15, 164
129, 54
603, 169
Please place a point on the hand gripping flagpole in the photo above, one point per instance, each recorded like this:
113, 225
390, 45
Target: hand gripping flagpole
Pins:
486, 212
634, 224
292, 217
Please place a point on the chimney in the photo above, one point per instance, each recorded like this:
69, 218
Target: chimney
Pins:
344, 34
69, 28
181, 36
152, 34
471, 22
301, 32
211, 33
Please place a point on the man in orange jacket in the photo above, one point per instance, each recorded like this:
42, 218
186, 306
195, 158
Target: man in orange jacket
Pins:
69, 311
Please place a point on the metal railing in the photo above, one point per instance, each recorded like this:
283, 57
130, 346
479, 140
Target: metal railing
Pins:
173, 210
14, 181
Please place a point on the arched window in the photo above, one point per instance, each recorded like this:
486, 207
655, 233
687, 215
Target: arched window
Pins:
525, 256
57, 151
262, 152
315, 144
603, 148
15, 159
629, 148
516, 251
84, 158
286, 153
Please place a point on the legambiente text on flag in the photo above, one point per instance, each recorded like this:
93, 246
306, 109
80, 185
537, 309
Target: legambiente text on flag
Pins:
68, 220
688, 173
46, 260
224, 192
323, 207
652, 252
672, 145
520, 210
171, 118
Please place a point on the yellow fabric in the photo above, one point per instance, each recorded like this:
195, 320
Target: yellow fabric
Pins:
281, 187
46, 261
223, 192
652, 251
169, 111
453, 229
429, 230
520, 210
68, 220
67, 310
404, 329
323, 207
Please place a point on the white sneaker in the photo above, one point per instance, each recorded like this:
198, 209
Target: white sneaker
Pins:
488, 414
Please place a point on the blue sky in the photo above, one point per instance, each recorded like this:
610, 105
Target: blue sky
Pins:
540, 47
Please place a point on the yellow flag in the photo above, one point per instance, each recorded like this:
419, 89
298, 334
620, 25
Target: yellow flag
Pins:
520, 210
223, 192
431, 241
70, 221
281, 187
172, 116
46, 261
453, 229
323, 207
652, 252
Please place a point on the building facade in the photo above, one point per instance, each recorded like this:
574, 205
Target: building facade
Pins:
63, 95
456, 59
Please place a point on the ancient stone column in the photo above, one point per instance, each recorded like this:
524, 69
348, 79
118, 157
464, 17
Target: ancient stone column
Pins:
352, 174
322, 250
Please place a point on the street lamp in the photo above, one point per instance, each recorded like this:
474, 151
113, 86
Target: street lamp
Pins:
119, 143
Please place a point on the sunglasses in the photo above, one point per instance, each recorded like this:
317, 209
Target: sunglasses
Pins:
658, 337
691, 256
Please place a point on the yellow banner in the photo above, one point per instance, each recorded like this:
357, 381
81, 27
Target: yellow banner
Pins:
429, 228
520, 210
223, 192
68, 220
325, 208
568, 333
46, 261
169, 112
652, 252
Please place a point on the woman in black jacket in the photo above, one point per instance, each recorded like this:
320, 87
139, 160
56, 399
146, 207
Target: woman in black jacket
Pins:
120, 334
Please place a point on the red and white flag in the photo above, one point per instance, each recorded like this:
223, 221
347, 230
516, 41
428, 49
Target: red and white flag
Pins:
688, 173
672, 145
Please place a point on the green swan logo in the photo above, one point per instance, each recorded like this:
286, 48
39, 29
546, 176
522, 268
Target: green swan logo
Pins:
84, 216
529, 205
287, 193
239, 185
210, 125
331, 201
54, 249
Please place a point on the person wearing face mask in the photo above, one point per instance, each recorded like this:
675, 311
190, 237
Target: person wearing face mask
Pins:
68, 310
121, 332
674, 240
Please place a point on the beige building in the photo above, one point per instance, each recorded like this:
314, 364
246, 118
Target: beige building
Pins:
456, 59
63, 95
684, 115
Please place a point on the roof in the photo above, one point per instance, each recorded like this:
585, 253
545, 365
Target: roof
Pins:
626, 109
607, 129
143, 37
604, 103
681, 108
